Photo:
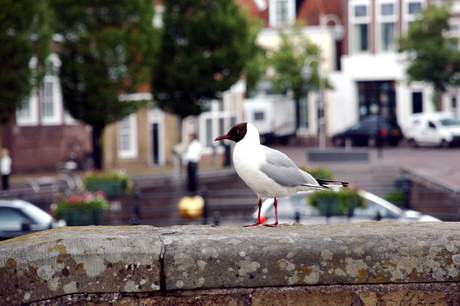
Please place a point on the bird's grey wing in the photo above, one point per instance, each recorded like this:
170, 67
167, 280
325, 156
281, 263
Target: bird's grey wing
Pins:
284, 171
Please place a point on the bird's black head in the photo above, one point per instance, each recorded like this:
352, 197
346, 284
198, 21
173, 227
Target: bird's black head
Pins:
236, 133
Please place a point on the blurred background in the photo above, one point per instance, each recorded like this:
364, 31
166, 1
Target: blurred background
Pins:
97, 92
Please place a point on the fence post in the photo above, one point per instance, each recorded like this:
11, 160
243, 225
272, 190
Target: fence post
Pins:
204, 195
405, 186
136, 218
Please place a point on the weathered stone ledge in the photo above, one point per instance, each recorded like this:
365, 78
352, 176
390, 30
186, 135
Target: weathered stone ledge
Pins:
167, 263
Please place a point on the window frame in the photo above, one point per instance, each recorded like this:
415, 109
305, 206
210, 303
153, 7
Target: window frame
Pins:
131, 134
273, 13
381, 20
56, 118
407, 17
359, 20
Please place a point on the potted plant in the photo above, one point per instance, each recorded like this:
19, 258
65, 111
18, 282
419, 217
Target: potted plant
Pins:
337, 203
85, 208
114, 183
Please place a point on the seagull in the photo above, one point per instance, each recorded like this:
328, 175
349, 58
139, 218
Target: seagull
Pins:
268, 172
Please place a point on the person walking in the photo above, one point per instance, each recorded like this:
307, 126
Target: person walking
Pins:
5, 168
192, 156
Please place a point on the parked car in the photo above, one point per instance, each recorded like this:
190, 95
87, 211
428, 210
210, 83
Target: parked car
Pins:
296, 209
18, 217
371, 131
433, 129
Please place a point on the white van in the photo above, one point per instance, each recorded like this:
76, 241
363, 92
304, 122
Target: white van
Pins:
433, 129
273, 116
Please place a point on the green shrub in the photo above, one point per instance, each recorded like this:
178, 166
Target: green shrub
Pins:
341, 202
318, 172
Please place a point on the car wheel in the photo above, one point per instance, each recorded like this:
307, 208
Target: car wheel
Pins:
338, 142
372, 142
413, 143
444, 144
348, 142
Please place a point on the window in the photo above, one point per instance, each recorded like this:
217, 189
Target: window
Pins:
51, 108
281, 12
454, 102
48, 103
386, 22
361, 42
411, 9
282, 16
127, 137
414, 8
360, 11
417, 102
45, 103
28, 114
454, 32
359, 26
258, 116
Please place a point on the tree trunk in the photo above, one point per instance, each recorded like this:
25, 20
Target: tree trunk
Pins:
97, 146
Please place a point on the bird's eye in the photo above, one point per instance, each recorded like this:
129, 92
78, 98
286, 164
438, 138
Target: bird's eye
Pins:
237, 131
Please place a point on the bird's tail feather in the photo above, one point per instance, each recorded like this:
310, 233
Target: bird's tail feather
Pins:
328, 183
314, 187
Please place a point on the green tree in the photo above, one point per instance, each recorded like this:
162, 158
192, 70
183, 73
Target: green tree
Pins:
26, 29
204, 48
434, 57
288, 61
107, 51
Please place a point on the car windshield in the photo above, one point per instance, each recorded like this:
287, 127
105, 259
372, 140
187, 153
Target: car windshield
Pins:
38, 215
449, 121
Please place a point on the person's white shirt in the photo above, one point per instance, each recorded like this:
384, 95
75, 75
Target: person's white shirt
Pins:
193, 153
5, 165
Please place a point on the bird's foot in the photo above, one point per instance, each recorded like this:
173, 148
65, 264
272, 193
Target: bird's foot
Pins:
257, 223
272, 225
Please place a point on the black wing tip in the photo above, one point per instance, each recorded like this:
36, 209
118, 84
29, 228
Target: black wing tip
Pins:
323, 183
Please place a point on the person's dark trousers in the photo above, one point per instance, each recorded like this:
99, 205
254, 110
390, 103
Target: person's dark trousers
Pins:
192, 177
5, 182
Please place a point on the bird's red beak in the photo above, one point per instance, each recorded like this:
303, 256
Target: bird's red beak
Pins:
222, 137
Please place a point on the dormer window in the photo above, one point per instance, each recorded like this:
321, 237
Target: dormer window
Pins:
281, 13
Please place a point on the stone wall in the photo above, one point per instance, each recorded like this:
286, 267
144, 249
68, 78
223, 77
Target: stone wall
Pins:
378, 263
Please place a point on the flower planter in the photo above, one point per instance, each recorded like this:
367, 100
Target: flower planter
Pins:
112, 189
329, 207
78, 217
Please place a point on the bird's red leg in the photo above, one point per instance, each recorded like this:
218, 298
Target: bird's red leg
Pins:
276, 215
258, 216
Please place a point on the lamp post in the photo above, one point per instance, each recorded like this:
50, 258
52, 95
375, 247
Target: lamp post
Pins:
339, 31
306, 75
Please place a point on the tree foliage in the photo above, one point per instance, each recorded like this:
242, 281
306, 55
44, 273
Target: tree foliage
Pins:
434, 56
289, 60
107, 51
26, 28
204, 47
108, 46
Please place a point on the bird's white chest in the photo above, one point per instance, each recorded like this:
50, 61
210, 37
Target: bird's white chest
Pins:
247, 161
